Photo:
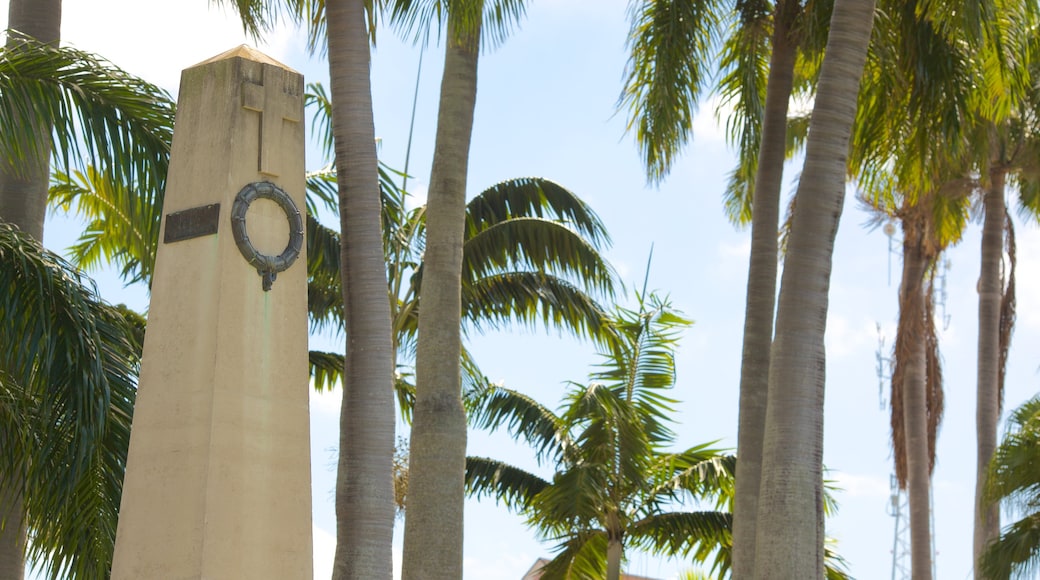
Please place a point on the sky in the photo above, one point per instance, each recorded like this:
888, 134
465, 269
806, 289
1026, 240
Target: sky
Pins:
546, 106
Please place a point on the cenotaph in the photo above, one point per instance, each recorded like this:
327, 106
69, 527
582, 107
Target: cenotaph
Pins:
218, 474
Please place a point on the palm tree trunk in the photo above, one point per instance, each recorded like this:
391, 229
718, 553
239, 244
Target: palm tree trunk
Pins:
23, 189
12, 536
987, 411
789, 533
614, 552
911, 348
437, 464
23, 202
364, 486
761, 297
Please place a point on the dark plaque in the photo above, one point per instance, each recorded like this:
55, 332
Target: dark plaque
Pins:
192, 223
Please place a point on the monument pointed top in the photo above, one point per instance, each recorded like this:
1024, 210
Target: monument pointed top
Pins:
246, 52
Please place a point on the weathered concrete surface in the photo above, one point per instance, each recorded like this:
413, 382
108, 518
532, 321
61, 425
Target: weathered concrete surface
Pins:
218, 474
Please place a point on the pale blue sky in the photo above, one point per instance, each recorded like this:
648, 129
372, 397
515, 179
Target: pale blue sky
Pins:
545, 107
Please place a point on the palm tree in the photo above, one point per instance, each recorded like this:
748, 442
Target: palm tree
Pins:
530, 255
917, 397
1014, 479
23, 180
68, 375
364, 488
764, 40
615, 485
99, 114
958, 63
789, 534
909, 155
433, 528
84, 108
1008, 152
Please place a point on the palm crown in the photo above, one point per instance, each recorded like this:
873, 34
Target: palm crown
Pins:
615, 483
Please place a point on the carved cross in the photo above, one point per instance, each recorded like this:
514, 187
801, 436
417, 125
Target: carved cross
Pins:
275, 102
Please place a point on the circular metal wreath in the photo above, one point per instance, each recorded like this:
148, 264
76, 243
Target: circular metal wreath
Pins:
267, 266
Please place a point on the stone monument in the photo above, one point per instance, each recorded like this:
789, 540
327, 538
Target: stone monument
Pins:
218, 474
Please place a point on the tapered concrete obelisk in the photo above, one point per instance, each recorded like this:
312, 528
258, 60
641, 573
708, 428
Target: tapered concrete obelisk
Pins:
218, 475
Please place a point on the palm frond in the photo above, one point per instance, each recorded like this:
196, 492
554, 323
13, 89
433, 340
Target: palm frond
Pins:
535, 197
122, 226
121, 125
494, 20
1016, 553
318, 99
702, 534
493, 406
326, 369
513, 487
582, 555
537, 244
531, 298
324, 286
1015, 469
669, 42
70, 372
744, 69
700, 471
572, 504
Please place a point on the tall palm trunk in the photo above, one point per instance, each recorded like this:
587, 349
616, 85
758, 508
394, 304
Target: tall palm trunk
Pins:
364, 486
789, 533
437, 464
23, 202
761, 295
987, 411
911, 356
12, 536
614, 552
23, 188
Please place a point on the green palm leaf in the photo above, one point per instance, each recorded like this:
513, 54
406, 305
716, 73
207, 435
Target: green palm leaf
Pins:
67, 387
326, 369
535, 197
494, 19
494, 406
507, 484
744, 68
99, 113
702, 533
581, 556
324, 286
1017, 553
536, 243
677, 36
1014, 479
531, 298
122, 226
